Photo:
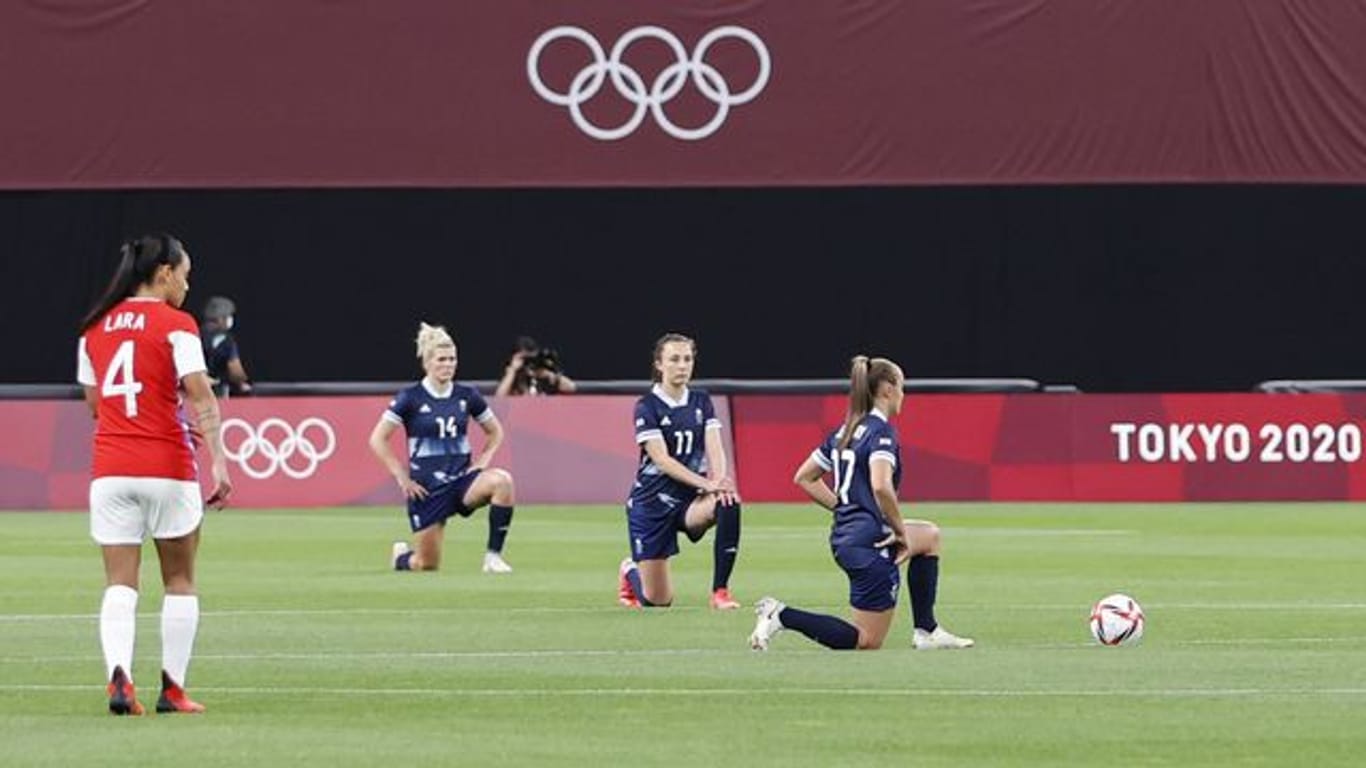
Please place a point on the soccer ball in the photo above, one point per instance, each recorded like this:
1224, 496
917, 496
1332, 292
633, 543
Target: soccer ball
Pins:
1117, 620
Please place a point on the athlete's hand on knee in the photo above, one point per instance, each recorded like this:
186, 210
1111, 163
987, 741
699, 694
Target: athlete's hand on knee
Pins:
901, 549
726, 497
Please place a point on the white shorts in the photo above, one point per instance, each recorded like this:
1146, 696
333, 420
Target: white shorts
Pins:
125, 510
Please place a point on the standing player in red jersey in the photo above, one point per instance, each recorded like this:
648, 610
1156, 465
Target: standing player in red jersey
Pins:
138, 351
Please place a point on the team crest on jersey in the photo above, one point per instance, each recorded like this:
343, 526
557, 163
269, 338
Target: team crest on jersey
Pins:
462, 405
699, 415
859, 432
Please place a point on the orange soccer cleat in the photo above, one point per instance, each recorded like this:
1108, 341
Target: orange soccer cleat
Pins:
625, 594
123, 700
173, 698
722, 601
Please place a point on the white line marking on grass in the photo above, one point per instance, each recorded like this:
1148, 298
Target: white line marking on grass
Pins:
1081, 607
391, 655
17, 617
553, 653
738, 692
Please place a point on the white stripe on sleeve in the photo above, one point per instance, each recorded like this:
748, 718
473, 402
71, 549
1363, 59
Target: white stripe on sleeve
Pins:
188, 353
886, 456
820, 458
85, 370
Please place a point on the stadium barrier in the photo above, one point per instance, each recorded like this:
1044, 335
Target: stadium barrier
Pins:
1002, 444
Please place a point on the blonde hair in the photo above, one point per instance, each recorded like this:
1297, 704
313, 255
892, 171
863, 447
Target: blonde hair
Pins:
865, 376
431, 338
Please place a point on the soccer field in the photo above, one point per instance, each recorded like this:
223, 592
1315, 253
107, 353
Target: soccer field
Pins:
312, 652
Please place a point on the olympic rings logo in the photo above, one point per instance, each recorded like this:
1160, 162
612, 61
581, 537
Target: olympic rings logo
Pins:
666, 85
276, 442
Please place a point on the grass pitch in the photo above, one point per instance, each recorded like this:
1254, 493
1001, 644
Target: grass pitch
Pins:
311, 652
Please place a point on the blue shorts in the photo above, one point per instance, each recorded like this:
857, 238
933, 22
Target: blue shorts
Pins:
442, 502
653, 527
874, 579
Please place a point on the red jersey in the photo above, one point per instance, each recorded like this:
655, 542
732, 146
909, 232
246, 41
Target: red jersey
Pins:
135, 356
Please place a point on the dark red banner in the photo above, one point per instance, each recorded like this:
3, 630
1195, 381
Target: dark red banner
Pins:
201, 93
300, 452
1049, 447
313, 451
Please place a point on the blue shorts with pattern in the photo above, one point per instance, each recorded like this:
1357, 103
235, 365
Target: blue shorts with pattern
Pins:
874, 579
443, 502
653, 527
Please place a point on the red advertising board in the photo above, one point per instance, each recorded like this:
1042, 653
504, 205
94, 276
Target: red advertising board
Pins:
577, 450
1070, 447
313, 451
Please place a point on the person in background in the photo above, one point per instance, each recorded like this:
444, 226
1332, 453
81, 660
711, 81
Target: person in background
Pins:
138, 352
868, 537
534, 370
682, 484
441, 478
220, 348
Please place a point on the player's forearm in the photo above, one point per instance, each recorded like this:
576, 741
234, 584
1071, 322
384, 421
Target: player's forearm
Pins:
820, 493
209, 420
680, 472
379, 446
887, 503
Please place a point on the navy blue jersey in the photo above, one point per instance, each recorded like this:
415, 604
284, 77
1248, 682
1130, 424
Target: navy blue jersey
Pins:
682, 425
220, 348
438, 429
858, 521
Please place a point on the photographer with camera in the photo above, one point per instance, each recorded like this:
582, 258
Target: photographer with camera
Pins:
534, 370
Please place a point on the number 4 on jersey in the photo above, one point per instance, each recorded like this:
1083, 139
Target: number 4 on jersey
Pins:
119, 380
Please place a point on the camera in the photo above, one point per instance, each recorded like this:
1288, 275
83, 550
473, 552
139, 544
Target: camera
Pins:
541, 360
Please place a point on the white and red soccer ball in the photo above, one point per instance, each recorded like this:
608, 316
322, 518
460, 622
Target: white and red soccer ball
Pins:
1117, 620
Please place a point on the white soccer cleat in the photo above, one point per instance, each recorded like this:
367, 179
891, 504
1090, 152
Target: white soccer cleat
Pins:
494, 563
399, 549
939, 639
768, 625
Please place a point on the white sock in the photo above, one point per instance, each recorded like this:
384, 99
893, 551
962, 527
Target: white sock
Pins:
179, 623
118, 626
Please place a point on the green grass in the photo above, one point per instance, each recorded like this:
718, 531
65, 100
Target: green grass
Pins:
312, 653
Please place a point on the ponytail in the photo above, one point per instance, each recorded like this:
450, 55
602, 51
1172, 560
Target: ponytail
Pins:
139, 259
865, 377
860, 399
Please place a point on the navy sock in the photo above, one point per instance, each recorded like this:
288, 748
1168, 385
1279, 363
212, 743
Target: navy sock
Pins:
500, 519
922, 578
829, 631
633, 576
401, 562
726, 545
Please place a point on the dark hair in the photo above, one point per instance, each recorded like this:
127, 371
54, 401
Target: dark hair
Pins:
667, 338
139, 259
865, 376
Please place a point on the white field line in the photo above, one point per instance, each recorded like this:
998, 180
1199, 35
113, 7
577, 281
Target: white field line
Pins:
534, 610
554, 653
767, 692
